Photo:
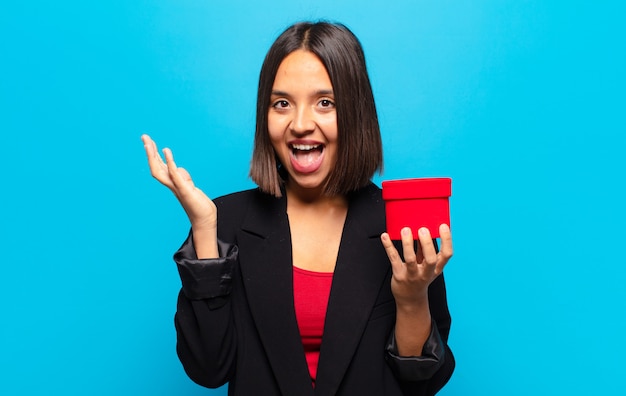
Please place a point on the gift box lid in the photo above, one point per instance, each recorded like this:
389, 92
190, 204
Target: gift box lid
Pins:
431, 187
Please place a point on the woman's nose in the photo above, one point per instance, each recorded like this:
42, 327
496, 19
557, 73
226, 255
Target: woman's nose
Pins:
303, 121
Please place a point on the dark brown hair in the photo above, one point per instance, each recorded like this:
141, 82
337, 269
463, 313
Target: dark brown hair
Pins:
359, 143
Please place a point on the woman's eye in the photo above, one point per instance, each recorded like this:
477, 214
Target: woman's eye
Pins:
281, 104
326, 103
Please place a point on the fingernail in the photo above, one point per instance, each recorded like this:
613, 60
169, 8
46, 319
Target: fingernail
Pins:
424, 231
444, 228
406, 231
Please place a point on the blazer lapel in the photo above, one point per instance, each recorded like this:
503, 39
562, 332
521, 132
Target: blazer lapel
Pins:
361, 268
266, 267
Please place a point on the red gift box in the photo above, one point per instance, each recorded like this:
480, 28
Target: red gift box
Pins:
417, 203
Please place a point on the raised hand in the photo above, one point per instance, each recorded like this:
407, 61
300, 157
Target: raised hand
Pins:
412, 276
200, 209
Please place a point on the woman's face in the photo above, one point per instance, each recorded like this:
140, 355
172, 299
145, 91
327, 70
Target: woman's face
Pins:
302, 121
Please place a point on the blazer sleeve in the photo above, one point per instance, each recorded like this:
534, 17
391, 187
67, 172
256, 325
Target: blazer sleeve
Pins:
205, 332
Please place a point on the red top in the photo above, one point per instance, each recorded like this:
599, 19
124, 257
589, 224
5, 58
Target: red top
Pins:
310, 295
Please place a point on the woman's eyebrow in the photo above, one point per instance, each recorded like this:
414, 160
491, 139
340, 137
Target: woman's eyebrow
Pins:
279, 93
319, 92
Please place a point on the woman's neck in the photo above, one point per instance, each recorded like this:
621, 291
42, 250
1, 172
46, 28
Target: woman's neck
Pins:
316, 224
309, 199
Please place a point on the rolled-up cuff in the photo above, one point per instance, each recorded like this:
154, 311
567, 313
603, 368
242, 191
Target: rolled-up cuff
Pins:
417, 368
205, 278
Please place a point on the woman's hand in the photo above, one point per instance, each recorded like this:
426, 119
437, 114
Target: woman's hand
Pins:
200, 209
410, 281
412, 276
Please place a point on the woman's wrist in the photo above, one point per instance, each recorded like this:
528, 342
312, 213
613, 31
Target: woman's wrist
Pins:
205, 242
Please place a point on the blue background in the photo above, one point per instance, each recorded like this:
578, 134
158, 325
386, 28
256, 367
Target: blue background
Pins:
520, 102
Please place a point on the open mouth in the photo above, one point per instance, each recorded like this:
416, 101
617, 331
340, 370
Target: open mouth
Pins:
306, 157
306, 151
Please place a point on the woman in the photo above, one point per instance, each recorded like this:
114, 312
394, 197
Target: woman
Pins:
294, 288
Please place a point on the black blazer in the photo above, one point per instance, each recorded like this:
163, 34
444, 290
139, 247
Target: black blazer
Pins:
236, 321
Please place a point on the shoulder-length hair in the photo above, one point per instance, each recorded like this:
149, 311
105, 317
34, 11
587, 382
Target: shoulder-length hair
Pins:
359, 142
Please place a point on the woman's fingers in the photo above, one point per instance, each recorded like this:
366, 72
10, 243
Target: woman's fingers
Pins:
425, 259
408, 248
416, 266
446, 250
413, 275
446, 240
154, 158
392, 253
429, 253
183, 185
171, 166
167, 172
158, 168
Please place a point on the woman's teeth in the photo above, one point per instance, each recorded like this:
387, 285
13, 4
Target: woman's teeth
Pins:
304, 147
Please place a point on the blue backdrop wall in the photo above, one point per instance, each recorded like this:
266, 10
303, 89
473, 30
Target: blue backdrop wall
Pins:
520, 102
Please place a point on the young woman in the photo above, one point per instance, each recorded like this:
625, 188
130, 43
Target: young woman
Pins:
294, 288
